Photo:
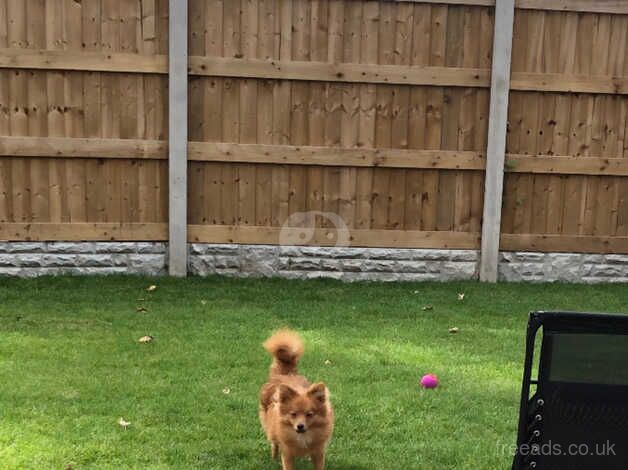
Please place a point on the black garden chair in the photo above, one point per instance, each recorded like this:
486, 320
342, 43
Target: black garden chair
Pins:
574, 415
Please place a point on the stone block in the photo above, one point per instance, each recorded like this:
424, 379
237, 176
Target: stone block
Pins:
59, 260
608, 270
100, 260
431, 255
26, 247
305, 264
70, 247
147, 264
464, 255
150, 247
261, 261
564, 267
378, 266
115, 247
617, 259
351, 265
9, 261
31, 260
460, 270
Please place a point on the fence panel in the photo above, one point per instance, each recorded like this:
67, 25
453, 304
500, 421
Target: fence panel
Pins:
582, 128
378, 109
48, 189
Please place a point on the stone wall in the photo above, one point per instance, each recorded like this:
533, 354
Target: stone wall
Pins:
348, 264
28, 259
563, 267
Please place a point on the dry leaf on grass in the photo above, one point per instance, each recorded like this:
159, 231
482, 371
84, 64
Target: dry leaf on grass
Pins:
461, 296
151, 288
327, 362
454, 329
146, 339
203, 302
428, 307
123, 423
226, 390
141, 309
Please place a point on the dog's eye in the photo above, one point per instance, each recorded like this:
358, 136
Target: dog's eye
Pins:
310, 414
293, 414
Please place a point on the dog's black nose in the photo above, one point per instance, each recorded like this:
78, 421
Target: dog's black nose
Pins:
300, 427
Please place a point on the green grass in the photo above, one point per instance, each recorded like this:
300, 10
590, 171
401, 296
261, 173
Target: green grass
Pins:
71, 366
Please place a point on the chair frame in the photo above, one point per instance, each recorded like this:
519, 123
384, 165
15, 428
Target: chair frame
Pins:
603, 323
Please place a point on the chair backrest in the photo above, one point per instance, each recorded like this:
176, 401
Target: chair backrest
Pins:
577, 416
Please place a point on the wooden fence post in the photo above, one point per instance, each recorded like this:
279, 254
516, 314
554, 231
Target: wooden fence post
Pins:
496, 147
178, 136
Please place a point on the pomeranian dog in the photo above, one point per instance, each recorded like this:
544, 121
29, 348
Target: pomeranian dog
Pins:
297, 416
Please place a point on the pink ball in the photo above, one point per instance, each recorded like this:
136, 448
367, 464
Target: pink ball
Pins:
429, 381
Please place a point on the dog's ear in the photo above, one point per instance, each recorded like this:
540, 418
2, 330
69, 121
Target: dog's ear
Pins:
286, 393
318, 391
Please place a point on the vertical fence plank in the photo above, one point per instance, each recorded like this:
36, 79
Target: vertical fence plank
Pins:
18, 119
300, 96
37, 110
333, 106
350, 119
178, 136
319, 20
246, 174
496, 148
369, 47
110, 112
231, 122
148, 171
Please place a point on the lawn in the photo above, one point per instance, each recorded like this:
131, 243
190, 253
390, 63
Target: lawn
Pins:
71, 366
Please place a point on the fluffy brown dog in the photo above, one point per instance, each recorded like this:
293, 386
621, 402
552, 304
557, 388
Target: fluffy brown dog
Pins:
297, 416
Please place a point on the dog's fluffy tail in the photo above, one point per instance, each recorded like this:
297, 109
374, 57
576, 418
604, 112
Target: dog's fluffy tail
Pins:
286, 348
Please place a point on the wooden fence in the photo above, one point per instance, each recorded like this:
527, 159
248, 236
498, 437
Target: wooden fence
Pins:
572, 193
376, 111
82, 84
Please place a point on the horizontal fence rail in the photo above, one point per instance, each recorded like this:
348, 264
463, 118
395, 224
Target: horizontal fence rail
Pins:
222, 152
307, 71
589, 6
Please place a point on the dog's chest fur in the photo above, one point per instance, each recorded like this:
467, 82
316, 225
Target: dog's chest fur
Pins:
303, 440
